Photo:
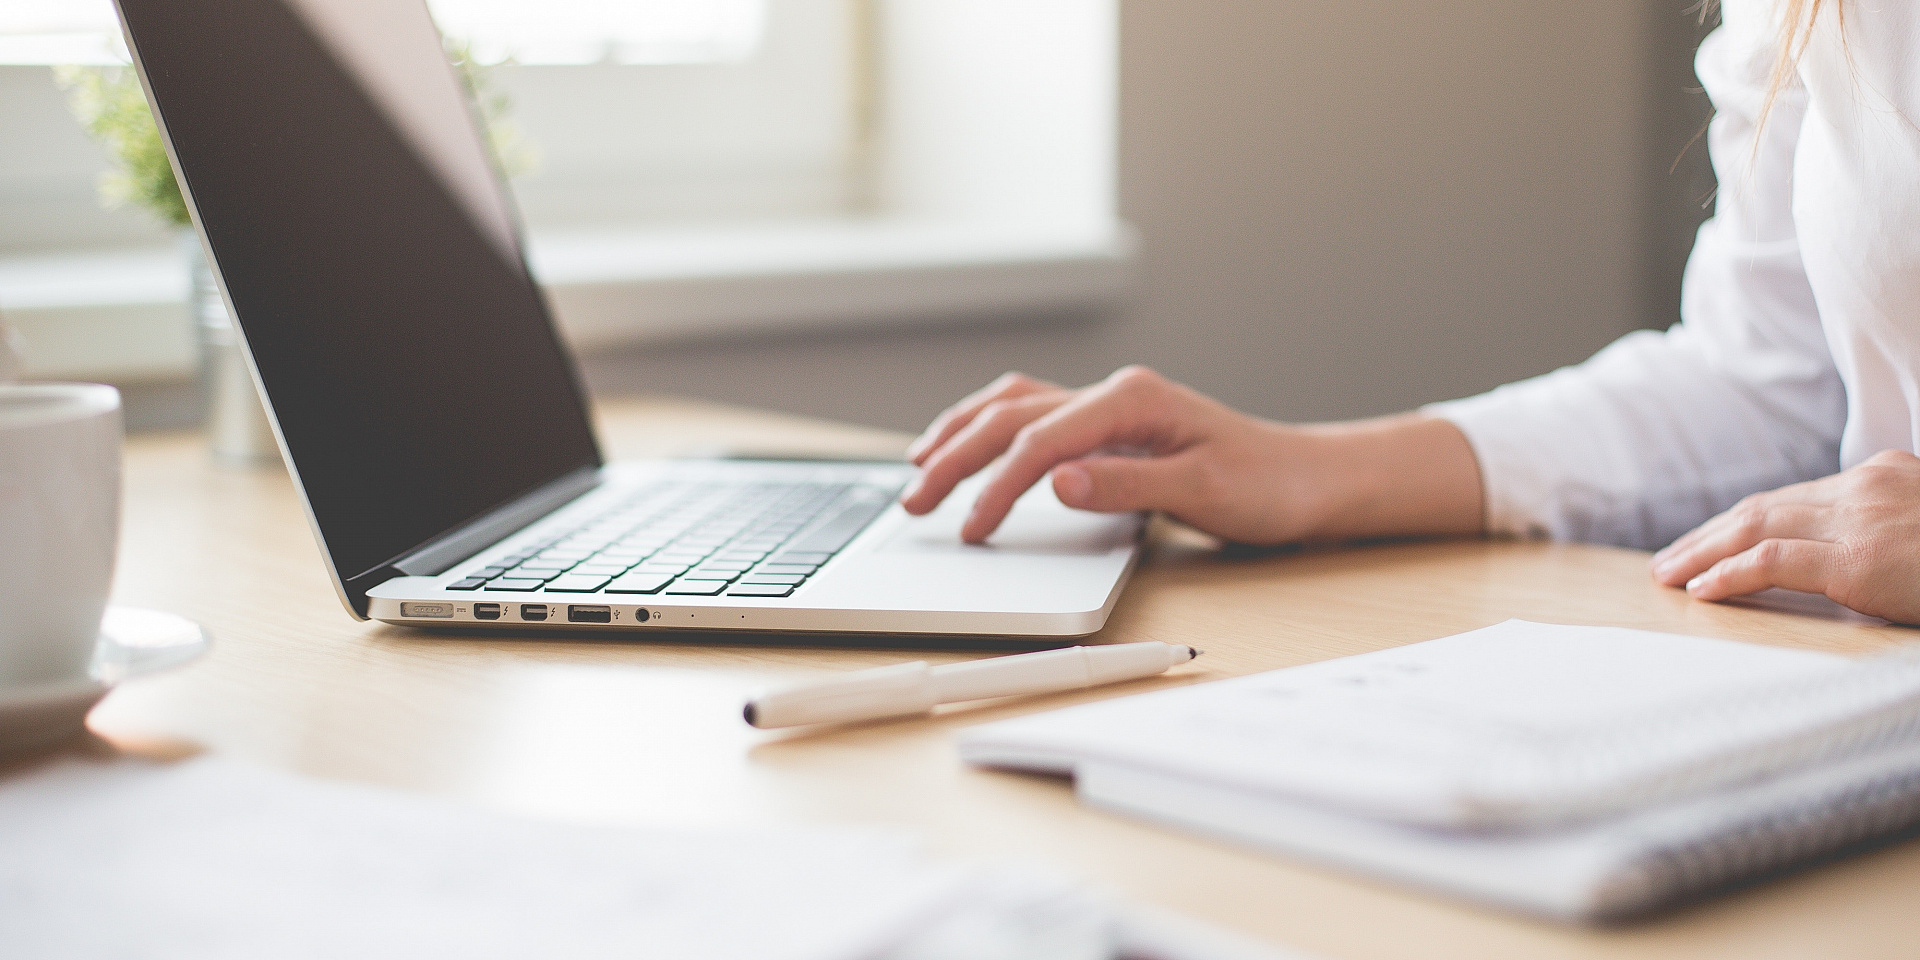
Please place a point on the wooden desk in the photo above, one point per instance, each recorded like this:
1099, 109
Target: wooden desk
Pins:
651, 732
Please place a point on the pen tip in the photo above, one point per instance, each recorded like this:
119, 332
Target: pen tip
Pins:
751, 714
1194, 652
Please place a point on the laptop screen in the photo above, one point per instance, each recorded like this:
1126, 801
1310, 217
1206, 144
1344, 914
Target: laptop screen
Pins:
370, 254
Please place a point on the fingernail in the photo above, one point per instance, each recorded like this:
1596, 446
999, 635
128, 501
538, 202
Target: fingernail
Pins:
913, 489
967, 529
1694, 585
1073, 484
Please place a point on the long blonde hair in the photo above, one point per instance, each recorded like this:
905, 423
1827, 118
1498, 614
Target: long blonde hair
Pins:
1796, 30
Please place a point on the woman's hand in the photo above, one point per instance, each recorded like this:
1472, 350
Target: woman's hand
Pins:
1854, 536
1137, 441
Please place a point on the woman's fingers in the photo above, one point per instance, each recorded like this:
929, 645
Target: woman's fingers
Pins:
1007, 386
1738, 530
1823, 492
1811, 566
986, 435
1115, 484
1851, 536
1128, 408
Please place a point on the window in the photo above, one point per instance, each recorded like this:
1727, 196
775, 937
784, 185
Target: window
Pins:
634, 110
700, 166
585, 32
568, 32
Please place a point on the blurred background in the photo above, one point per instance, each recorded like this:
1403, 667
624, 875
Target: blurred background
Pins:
863, 209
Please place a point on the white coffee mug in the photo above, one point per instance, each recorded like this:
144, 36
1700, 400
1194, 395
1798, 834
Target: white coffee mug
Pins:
59, 526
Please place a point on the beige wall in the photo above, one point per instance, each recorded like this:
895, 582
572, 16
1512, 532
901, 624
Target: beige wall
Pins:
1345, 209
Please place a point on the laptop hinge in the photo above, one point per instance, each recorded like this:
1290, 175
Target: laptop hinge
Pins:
490, 528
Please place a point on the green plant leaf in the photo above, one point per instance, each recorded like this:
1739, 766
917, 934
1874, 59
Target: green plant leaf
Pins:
109, 103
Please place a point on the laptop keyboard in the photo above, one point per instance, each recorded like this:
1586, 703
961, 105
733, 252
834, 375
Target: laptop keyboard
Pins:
757, 539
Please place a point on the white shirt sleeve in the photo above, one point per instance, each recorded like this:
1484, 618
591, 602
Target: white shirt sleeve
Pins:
1660, 431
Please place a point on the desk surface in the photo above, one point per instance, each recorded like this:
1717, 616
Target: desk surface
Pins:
651, 732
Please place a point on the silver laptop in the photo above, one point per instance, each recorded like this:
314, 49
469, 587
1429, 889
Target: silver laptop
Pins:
433, 421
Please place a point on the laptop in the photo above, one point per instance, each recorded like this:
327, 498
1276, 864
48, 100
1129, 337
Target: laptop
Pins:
435, 424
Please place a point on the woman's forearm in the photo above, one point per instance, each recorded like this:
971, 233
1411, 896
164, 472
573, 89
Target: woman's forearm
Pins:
1405, 475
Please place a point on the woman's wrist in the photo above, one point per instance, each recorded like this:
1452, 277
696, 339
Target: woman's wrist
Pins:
1402, 476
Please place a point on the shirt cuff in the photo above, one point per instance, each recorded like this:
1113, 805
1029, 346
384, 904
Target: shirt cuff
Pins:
1519, 491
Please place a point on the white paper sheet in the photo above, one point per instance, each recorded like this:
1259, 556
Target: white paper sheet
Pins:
209, 860
212, 860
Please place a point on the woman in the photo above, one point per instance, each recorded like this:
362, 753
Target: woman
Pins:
1772, 431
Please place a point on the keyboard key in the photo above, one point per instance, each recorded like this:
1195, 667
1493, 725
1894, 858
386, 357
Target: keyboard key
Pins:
679, 556
488, 573
544, 563
847, 520
536, 573
471, 583
709, 573
577, 583
600, 569
734, 565
800, 568
697, 588
748, 557
639, 583
801, 556
786, 578
760, 590
512, 584
671, 569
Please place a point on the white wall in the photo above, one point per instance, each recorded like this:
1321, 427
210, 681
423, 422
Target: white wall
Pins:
1026, 136
1345, 209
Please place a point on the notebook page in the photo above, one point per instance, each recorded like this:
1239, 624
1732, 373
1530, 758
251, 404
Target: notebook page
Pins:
1397, 733
1608, 869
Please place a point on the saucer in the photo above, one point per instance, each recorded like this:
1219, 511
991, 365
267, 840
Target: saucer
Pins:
133, 642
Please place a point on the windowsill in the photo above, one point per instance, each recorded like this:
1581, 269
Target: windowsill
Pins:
120, 316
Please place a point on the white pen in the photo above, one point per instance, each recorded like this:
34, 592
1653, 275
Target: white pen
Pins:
916, 687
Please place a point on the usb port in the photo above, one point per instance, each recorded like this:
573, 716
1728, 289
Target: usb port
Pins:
533, 611
486, 611
589, 613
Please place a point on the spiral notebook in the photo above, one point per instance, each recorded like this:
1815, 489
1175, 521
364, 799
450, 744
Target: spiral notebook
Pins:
1580, 773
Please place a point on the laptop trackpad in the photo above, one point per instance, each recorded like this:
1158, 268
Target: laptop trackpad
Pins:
1039, 524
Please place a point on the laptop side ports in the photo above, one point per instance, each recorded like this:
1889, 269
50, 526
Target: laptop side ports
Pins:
486, 611
533, 611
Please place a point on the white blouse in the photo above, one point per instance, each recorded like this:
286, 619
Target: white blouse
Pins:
1798, 350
